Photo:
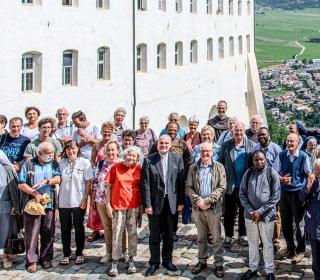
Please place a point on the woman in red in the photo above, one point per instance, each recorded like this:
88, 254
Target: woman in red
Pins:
123, 205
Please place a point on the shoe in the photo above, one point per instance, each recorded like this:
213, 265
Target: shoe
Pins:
175, 237
227, 242
248, 275
297, 258
107, 258
131, 267
7, 262
32, 268
287, 254
79, 260
65, 261
198, 268
270, 276
170, 266
114, 269
151, 270
46, 265
219, 271
94, 236
243, 241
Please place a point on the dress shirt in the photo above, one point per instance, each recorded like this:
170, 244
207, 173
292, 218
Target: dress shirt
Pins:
205, 175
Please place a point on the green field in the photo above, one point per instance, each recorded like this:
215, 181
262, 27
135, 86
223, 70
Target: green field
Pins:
278, 31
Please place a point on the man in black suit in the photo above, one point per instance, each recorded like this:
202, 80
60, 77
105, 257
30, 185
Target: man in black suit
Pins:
162, 196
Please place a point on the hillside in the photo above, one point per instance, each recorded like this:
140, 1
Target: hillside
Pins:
289, 4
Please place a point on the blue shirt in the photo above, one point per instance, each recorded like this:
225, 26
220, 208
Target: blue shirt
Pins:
180, 134
66, 131
240, 164
271, 152
205, 175
14, 147
41, 172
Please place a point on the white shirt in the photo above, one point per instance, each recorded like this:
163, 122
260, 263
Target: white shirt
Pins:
164, 163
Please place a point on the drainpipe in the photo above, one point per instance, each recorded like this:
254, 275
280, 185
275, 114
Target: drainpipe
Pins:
134, 63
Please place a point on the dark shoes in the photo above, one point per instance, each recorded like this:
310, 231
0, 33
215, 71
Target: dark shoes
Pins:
175, 237
151, 270
248, 275
219, 271
270, 276
198, 268
170, 266
46, 265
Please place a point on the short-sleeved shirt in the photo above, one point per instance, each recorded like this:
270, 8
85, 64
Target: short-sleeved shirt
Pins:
41, 172
73, 178
32, 148
14, 147
240, 164
271, 152
86, 150
67, 131
31, 133
125, 186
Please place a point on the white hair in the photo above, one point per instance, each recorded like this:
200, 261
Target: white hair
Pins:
193, 119
257, 117
144, 118
135, 149
119, 110
43, 146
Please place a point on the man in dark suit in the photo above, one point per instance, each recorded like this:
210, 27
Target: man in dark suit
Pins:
162, 192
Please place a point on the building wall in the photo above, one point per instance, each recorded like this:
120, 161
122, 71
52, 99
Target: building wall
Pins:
191, 89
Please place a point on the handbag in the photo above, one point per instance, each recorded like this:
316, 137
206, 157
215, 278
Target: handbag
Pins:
16, 245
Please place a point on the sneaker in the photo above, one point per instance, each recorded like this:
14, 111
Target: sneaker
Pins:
297, 258
107, 258
131, 266
114, 269
243, 241
227, 242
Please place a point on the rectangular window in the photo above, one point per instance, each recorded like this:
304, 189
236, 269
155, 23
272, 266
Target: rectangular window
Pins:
27, 73
100, 4
27, 1
67, 68
67, 2
179, 6
101, 60
142, 5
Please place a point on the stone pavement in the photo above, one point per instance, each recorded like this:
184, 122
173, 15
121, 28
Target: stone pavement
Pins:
185, 256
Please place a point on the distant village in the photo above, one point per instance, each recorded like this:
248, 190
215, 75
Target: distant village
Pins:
291, 91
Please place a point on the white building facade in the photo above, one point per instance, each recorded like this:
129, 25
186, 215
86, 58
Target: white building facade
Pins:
151, 57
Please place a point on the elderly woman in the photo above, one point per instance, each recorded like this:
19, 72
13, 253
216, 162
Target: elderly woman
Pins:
119, 126
98, 201
311, 145
207, 135
311, 196
145, 136
9, 200
30, 129
76, 176
193, 137
123, 206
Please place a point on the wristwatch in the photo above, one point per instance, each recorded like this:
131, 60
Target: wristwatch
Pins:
47, 182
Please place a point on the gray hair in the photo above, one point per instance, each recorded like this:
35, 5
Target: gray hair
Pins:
120, 110
146, 118
171, 114
62, 109
135, 149
210, 128
257, 117
43, 146
193, 119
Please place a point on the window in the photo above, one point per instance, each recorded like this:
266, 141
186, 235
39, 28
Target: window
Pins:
193, 6
249, 8
162, 5
74, 3
142, 58
161, 56
103, 63
70, 68
209, 49
209, 7
27, 1
240, 45
142, 5
178, 53
239, 8
248, 43
194, 51
103, 4
31, 72
32, 2
220, 7
231, 46
221, 47
230, 7
179, 6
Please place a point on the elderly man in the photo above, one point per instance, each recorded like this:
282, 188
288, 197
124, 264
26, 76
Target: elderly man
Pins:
205, 186
15, 144
38, 176
227, 134
45, 128
235, 155
220, 121
255, 124
119, 126
86, 134
64, 130
174, 117
293, 167
271, 151
259, 195
162, 191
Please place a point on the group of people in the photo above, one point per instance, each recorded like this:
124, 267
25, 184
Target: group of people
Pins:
115, 175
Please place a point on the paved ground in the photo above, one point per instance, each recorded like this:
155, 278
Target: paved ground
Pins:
185, 256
